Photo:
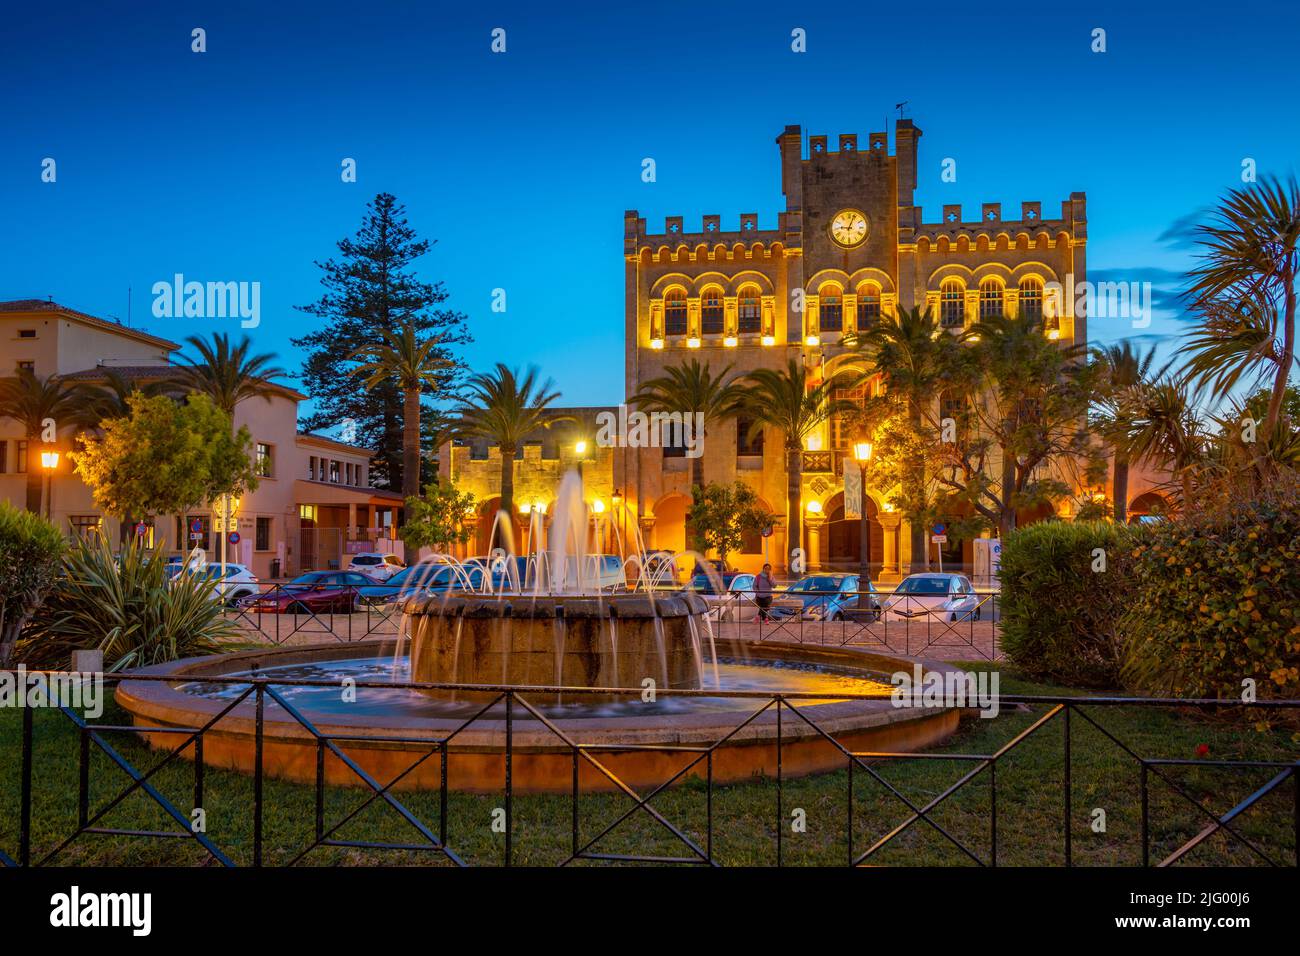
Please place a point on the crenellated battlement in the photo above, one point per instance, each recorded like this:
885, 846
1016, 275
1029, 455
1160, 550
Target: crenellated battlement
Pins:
953, 225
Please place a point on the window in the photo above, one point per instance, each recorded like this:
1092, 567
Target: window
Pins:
262, 536
84, 526
750, 311
4, 449
745, 445
334, 472
952, 297
990, 299
347, 473
27, 366
20, 457
311, 468
27, 333
711, 314
868, 307
830, 316
675, 313
844, 428
265, 462
1031, 300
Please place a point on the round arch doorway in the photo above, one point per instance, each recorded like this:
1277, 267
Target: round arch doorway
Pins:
842, 538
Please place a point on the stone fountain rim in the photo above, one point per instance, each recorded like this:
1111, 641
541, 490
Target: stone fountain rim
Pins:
163, 704
627, 605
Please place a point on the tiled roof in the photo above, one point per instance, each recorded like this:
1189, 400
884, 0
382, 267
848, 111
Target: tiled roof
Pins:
129, 372
43, 305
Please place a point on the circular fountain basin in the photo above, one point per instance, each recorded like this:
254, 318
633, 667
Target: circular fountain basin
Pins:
542, 756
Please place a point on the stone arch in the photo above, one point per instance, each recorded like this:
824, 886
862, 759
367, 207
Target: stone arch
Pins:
750, 277
1035, 269
881, 278
953, 270
991, 270
841, 537
666, 283
1149, 503
816, 280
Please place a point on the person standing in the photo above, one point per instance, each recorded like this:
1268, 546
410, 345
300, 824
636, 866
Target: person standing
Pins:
763, 587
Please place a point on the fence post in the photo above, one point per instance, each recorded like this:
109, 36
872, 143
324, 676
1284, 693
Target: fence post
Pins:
25, 800
257, 772
510, 728
780, 809
1069, 847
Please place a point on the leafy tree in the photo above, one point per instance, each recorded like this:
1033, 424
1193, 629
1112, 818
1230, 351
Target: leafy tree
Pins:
370, 290
505, 408
1167, 429
227, 374
30, 550
165, 457
416, 365
1122, 374
721, 515
789, 401
438, 519
32, 402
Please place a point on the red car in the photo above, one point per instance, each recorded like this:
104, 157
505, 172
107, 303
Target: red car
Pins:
315, 592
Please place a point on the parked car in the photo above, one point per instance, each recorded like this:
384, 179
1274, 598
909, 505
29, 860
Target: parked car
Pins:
239, 581
734, 602
376, 564
659, 568
315, 592
826, 597
946, 597
601, 572
422, 578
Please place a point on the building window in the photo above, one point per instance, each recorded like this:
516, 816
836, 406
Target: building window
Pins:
4, 450
750, 311
265, 461
334, 472
990, 299
27, 333
262, 535
84, 526
27, 367
868, 307
311, 468
675, 313
1031, 300
746, 446
952, 303
20, 457
830, 317
844, 428
711, 314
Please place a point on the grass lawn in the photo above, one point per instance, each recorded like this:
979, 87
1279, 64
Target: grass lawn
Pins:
1029, 804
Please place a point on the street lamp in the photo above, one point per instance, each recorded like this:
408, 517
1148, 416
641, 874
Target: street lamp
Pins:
862, 452
617, 498
49, 461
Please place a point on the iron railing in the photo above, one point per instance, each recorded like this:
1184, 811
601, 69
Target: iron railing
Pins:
436, 837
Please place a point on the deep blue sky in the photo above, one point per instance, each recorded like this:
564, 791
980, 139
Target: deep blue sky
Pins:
225, 165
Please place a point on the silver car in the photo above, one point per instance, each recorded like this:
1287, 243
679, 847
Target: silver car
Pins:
934, 595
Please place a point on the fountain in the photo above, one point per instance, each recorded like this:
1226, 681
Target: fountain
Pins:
539, 622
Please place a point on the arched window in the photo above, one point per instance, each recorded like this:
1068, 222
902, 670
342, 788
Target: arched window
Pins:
868, 306
952, 304
749, 317
1031, 299
830, 314
990, 299
711, 314
675, 312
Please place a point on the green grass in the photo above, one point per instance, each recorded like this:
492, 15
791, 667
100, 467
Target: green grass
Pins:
1029, 803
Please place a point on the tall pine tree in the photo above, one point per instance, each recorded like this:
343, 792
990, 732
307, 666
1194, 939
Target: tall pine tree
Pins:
372, 288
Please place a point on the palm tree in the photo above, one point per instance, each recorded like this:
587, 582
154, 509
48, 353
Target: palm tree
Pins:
691, 388
913, 356
1167, 429
226, 373
503, 407
34, 403
1245, 288
784, 399
416, 365
1124, 372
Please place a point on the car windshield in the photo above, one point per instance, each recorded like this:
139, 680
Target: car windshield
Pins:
924, 585
313, 578
366, 559
214, 571
702, 584
816, 584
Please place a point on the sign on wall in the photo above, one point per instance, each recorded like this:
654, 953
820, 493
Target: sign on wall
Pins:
852, 489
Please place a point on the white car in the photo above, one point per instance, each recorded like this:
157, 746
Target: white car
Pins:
736, 603
940, 597
374, 564
239, 581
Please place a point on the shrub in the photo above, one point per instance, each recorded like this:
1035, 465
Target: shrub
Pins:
1218, 600
1061, 602
125, 605
30, 548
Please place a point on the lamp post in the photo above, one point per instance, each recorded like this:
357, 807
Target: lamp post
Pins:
617, 498
862, 454
49, 461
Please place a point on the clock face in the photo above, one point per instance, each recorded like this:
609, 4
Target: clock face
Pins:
849, 228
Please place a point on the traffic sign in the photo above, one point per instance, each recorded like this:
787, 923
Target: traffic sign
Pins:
939, 538
939, 528
767, 532
233, 537
141, 530
196, 524
196, 537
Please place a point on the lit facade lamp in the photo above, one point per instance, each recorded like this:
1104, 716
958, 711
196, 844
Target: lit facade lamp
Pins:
693, 342
49, 461
731, 341
812, 341
769, 341
862, 453
814, 507
656, 344
580, 448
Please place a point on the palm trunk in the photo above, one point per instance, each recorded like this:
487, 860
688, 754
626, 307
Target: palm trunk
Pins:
793, 503
411, 444
915, 526
697, 481
1284, 366
1119, 489
1007, 520
34, 476
508, 482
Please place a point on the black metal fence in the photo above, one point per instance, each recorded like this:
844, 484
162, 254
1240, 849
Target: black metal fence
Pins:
519, 709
